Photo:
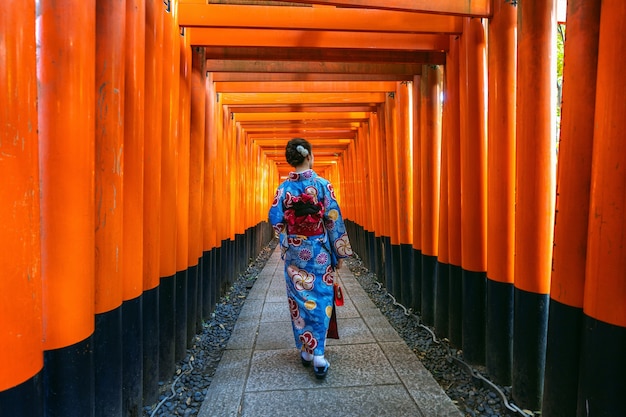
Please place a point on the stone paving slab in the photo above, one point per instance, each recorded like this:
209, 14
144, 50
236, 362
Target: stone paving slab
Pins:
373, 372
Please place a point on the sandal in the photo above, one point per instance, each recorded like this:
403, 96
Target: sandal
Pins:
321, 371
306, 363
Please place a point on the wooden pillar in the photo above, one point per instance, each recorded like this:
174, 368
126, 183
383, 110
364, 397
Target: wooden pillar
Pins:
183, 81
473, 102
501, 192
152, 197
21, 348
430, 156
601, 381
169, 180
572, 210
442, 290
535, 195
133, 244
377, 164
453, 134
393, 278
416, 279
369, 154
66, 104
404, 168
196, 181
109, 194
209, 215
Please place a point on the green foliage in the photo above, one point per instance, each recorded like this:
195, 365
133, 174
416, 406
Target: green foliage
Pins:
560, 44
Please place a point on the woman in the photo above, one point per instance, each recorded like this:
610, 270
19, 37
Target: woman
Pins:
313, 240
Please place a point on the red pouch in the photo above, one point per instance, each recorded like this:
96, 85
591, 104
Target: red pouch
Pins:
338, 294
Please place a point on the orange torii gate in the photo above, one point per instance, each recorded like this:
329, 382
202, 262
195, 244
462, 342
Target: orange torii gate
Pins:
138, 166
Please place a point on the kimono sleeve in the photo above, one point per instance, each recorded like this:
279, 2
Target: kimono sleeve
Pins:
337, 235
276, 213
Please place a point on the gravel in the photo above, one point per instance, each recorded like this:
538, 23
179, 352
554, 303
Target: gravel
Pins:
183, 394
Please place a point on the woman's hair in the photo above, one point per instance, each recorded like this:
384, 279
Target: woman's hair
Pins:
296, 151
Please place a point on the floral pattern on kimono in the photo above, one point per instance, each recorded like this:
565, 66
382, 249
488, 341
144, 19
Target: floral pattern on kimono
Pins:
312, 235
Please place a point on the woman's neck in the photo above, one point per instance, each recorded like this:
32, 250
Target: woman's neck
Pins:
301, 168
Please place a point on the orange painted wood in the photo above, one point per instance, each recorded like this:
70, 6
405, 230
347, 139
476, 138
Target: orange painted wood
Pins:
221, 191
462, 7
153, 128
183, 155
367, 157
605, 283
305, 87
238, 109
452, 131
360, 187
315, 18
209, 218
134, 115
261, 76
391, 173
417, 163
66, 104
501, 144
303, 116
316, 39
442, 227
312, 67
374, 159
575, 154
109, 164
238, 197
196, 158
169, 165
295, 98
473, 102
21, 348
376, 138
230, 175
314, 130
535, 145
323, 54
404, 164
353, 200
430, 156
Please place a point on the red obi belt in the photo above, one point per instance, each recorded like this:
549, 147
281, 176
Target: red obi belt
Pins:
304, 216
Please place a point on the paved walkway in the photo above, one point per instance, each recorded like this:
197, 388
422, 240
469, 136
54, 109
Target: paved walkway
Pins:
373, 372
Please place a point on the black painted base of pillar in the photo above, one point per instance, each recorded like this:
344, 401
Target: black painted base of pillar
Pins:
455, 306
192, 303
68, 380
602, 380
108, 363
560, 386
132, 356
429, 280
529, 348
416, 284
442, 299
406, 274
499, 331
150, 346
474, 299
167, 324
24, 400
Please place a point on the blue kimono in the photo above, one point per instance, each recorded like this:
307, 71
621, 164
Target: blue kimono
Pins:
306, 216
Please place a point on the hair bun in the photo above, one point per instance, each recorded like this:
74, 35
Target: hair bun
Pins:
302, 150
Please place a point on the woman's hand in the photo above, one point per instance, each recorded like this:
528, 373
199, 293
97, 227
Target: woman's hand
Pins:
339, 263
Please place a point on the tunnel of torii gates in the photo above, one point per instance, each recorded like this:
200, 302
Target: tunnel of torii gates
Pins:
142, 142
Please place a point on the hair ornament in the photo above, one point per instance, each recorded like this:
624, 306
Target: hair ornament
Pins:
302, 150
